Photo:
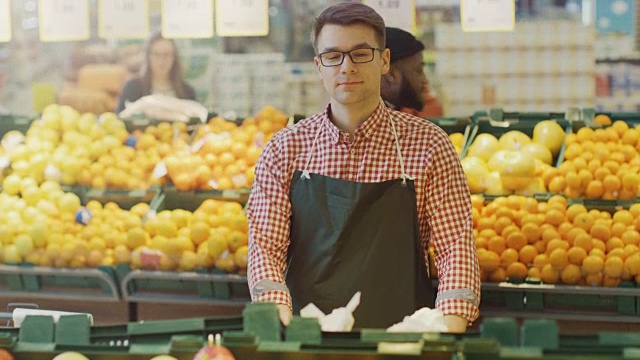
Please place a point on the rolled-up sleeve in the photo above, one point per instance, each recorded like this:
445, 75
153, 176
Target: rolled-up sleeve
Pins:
451, 232
268, 212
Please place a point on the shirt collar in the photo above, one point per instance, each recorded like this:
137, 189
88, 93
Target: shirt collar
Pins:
366, 129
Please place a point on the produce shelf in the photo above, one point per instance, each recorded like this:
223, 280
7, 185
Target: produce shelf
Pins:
59, 283
171, 198
124, 198
214, 288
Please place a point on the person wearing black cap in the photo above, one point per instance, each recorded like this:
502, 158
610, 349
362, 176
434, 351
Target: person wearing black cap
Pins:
405, 86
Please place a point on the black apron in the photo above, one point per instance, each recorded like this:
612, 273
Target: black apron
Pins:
348, 237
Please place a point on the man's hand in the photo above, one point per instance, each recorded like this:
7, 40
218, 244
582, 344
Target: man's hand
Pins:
455, 323
285, 314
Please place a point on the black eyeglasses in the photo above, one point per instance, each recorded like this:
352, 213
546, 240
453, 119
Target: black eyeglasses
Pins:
358, 56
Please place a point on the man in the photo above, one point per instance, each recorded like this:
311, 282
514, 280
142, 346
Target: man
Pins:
349, 199
405, 86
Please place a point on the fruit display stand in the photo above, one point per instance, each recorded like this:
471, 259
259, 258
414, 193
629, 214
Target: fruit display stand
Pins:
257, 334
14, 123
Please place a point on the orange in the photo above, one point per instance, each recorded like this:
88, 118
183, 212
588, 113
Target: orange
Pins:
499, 275
532, 232
592, 264
635, 210
617, 229
585, 178
557, 184
556, 244
594, 165
630, 137
612, 135
541, 246
600, 231
572, 193
575, 209
584, 241
564, 229
598, 252
487, 233
505, 212
611, 183
584, 221
600, 135
540, 261
573, 152
558, 258
585, 134
571, 275
533, 273
632, 264
613, 267
516, 270
601, 173
508, 256
566, 167
631, 237
489, 261
610, 282
636, 223
617, 252
477, 201
573, 233
496, 244
549, 275
594, 279
516, 240
554, 217
481, 242
486, 222
571, 139
530, 205
623, 216
614, 243
576, 255
594, 190
548, 173
550, 234
580, 163
501, 223
527, 254
613, 166
620, 127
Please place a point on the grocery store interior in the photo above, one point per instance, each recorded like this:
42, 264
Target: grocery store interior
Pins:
133, 209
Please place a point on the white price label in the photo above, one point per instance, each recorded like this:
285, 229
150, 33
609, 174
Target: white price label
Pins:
187, 18
64, 20
487, 15
123, 19
242, 17
396, 13
5, 21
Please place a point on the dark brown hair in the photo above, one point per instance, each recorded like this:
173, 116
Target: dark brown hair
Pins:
175, 76
350, 13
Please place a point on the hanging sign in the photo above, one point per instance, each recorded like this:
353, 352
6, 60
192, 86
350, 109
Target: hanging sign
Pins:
396, 13
64, 20
5, 21
123, 19
242, 17
487, 15
187, 19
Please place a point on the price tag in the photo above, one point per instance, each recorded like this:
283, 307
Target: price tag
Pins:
242, 17
123, 19
187, 18
487, 15
396, 13
5, 21
64, 20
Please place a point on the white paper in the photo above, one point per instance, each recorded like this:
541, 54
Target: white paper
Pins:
19, 315
64, 20
423, 320
123, 19
396, 13
340, 319
5, 20
242, 17
187, 18
487, 15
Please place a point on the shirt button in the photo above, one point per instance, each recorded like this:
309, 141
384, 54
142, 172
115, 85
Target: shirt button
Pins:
353, 151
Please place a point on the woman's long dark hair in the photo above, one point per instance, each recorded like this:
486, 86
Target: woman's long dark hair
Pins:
175, 75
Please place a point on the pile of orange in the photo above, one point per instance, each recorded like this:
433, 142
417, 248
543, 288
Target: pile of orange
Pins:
518, 237
223, 155
601, 163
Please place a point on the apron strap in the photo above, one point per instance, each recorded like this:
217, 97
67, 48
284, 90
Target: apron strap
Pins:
305, 170
405, 177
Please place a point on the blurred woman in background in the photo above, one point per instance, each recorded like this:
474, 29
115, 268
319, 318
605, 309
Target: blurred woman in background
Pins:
161, 74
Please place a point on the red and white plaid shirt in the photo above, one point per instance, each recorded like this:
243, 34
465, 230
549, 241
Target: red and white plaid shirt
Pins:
444, 206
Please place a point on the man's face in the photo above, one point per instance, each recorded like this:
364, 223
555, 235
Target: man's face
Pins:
413, 82
349, 83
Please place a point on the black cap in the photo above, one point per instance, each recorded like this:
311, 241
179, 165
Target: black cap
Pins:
402, 44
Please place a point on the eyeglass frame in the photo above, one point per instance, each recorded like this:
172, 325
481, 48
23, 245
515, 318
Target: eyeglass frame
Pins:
345, 53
